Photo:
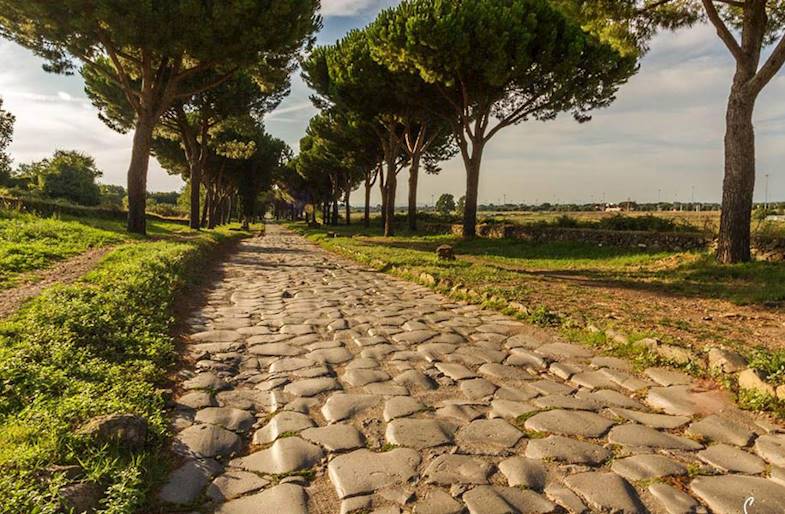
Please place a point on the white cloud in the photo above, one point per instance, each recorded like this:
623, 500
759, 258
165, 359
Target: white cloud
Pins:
352, 7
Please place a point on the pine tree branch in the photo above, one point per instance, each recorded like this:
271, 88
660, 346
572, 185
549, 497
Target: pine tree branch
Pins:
722, 30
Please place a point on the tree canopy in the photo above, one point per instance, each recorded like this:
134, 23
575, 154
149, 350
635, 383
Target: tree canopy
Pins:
155, 51
69, 175
497, 63
6, 134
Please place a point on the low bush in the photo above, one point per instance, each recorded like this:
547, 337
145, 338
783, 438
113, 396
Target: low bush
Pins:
95, 347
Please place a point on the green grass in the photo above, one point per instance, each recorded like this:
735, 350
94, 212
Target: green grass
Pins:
29, 243
98, 346
506, 263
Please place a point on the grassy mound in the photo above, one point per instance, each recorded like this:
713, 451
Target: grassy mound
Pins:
98, 346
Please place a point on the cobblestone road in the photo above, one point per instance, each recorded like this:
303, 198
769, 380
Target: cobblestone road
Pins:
322, 387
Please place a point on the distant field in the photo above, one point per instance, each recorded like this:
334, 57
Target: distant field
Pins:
704, 221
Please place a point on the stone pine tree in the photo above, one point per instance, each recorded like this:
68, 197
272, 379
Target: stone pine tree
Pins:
191, 121
497, 63
346, 77
6, 134
746, 28
152, 49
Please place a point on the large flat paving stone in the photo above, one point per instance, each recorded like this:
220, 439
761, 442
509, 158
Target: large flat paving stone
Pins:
185, 484
722, 429
565, 449
681, 400
675, 501
727, 494
647, 466
336, 437
731, 459
363, 471
486, 499
285, 422
230, 418
606, 492
527, 473
235, 483
643, 436
206, 441
488, 435
771, 447
311, 386
419, 433
341, 406
284, 456
565, 422
451, 469
283, 498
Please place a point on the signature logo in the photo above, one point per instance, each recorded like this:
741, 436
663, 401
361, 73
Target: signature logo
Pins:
748, 503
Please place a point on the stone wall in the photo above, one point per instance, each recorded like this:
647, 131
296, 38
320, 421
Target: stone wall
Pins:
768, 248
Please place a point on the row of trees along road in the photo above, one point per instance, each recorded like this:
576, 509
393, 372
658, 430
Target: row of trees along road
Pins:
159, 55
429, 69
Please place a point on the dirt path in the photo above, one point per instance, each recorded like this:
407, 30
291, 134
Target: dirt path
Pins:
319, 386
693, 321
62, 272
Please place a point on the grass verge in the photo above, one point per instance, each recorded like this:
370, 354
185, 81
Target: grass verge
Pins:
98, 346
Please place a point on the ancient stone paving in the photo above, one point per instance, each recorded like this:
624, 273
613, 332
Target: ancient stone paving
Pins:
322, 387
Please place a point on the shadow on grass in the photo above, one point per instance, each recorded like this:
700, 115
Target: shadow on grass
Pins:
685, 274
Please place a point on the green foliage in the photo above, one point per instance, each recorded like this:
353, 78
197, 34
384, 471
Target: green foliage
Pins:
67, 174
770, 363
29, 242
460, 205
445, 204
6, 134
112, 195
95, 347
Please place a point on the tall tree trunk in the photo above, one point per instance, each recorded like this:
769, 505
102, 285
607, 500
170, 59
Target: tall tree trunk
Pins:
414, 171
383, 193
196, 185
739, 182
137, 173
348, 208
206, 207
472, 165
367, 213
390, 186
335, 210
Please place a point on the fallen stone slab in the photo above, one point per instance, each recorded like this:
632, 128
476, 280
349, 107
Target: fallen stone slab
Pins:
363, 471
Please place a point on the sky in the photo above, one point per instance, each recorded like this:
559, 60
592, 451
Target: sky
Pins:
661, 138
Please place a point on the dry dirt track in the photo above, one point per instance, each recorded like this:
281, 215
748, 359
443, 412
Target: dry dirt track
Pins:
320, 386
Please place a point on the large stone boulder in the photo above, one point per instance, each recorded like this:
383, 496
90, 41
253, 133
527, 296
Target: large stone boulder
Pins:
127, 430
445, 253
